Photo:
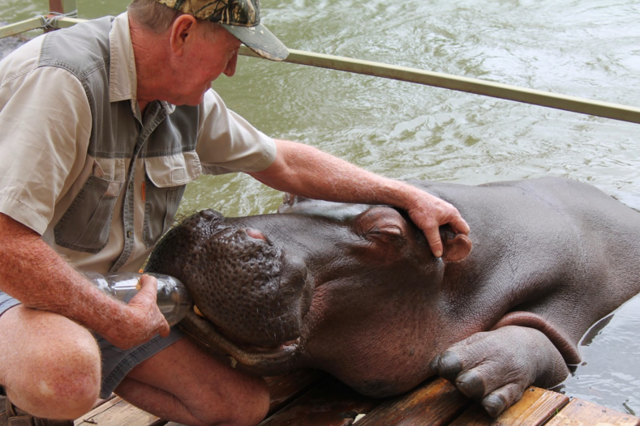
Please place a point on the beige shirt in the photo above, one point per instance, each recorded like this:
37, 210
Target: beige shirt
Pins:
45, 123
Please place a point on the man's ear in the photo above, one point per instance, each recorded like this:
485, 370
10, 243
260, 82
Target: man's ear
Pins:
182, 31
456, 247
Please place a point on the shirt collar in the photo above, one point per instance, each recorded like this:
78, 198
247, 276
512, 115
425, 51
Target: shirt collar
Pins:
122, 73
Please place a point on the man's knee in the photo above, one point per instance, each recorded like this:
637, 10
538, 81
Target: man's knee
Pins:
54, 370
61, 384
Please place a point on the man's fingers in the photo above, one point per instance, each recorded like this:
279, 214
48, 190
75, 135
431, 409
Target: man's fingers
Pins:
164, 328
435, 243
459, 225
429, 213
149, 286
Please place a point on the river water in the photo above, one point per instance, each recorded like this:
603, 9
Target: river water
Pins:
585, 48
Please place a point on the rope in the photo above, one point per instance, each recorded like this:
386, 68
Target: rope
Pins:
50, 21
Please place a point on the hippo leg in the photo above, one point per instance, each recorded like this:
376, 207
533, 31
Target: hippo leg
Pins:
496, 367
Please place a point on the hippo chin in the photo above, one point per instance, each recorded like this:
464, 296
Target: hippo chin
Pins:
355, 291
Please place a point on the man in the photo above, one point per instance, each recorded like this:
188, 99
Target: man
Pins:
103, 125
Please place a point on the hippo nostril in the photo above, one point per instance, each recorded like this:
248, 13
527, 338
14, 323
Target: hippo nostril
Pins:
254, 233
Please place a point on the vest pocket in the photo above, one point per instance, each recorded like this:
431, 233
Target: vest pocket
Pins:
86, 224
160, 207
166, 179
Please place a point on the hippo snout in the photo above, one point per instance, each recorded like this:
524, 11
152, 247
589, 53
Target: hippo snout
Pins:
252, 290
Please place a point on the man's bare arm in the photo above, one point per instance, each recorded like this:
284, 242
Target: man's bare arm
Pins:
309, 172
38, 277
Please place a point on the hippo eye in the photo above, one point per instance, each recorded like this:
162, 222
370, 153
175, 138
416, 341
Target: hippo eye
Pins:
386, 229
384, 234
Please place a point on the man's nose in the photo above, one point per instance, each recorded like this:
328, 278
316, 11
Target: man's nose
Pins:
231, 65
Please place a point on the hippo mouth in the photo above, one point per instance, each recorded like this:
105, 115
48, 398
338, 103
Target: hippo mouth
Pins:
261, 360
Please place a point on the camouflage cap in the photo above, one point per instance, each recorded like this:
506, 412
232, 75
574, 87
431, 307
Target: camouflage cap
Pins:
241, 18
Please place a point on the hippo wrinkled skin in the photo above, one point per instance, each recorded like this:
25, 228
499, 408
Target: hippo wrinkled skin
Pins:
355, 291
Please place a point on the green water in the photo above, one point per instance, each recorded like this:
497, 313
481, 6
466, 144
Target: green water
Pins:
587, 48
13, 11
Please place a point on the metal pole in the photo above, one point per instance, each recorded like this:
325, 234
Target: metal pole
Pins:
21, 27
62, 6
446, 81
463, 84
59, 7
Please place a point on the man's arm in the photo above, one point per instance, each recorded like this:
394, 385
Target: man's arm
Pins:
36, 275
309, 172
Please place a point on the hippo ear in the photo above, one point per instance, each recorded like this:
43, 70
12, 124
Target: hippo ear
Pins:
456, 247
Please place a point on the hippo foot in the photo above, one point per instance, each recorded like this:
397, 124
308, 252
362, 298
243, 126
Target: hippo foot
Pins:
496, 367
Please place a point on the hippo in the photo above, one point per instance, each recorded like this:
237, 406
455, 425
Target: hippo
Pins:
355, 291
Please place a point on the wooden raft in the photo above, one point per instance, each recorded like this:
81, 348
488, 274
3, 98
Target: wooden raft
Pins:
309, 397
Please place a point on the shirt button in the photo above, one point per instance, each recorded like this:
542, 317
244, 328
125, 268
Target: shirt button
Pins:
129, 233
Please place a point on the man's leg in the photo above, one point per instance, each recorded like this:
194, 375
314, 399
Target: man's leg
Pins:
184, 384
49, 365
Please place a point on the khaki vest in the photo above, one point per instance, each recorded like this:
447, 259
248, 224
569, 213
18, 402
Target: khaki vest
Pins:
161, 140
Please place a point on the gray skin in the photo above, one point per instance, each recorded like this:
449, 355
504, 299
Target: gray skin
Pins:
355, 291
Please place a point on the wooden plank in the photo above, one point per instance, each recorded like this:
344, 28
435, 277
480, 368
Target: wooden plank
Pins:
99, 407
534, 408
437, 402
117, 412
584, 413
286, 387
330, 403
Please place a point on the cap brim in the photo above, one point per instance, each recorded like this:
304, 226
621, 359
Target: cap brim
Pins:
260, 40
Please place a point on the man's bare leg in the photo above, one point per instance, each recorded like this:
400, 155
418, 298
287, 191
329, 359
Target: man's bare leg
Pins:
184, 384
49, 365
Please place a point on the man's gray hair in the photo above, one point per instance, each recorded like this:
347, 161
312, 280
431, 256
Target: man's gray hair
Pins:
153, 15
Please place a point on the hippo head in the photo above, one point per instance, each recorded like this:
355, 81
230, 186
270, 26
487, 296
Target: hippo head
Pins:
290, 289
239, 280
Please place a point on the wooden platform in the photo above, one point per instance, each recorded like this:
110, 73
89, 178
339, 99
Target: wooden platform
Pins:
310, 397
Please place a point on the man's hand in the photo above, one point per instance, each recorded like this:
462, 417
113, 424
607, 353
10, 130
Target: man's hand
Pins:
142, 319
37, 276
429, 213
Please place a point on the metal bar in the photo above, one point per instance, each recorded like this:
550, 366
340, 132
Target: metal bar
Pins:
464, 84
56, 6
21, 27
67, 22
36, 24
446, 81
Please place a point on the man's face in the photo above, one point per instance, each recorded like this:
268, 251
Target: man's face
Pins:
207, 56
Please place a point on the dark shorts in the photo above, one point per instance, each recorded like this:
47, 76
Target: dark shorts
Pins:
116, 363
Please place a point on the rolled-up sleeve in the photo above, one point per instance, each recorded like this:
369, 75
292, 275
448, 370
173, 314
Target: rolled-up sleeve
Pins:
46, 125
227, 143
